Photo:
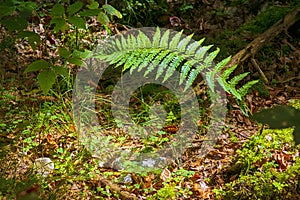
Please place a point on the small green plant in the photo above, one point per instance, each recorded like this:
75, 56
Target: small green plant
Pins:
167, 52
15, 15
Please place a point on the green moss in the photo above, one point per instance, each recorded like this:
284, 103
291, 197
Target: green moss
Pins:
261, 175
231, 41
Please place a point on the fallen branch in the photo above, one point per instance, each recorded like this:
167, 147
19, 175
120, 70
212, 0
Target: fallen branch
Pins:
251, 49
115, 188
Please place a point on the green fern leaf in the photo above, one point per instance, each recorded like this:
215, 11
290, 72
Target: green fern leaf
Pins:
225, 75
123, 41
192, 76
234, 81
190, 50
209, 59
148, 60
210, 79
164, 41
160, 57
160, 70
123, 60
219, 66
235, 93
224, 84
200, 53
175, 63
157, 60
143, 40
175, 40
165, 63
119, 45
184, 42
244, 89
132, 42
185, 69
131, 60
114, 58
144, 54
156, 37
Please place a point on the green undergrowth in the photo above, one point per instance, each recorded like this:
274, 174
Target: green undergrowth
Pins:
267, 167
33, 127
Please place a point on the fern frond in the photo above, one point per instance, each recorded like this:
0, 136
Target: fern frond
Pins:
219, 66
132, 42
156, 61
191, 78
200, 53
156, 38
234, 81
167, 52
244, 89
184, 42
164, 41
148, 59
191, 49
211, 56
123, 41
175, 40
227, 72
118, 44
210, 80
143, 41
131, 61
175, 63
185, 69
165, 63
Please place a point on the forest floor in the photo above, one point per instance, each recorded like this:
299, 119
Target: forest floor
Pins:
35, 126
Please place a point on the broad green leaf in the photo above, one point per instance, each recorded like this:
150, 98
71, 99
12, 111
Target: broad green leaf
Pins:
15, 23
27, 6
60, 24
112, 11
60, 70
75, 61
89, 13
63, 52
57, 10
93, 5
46, 79
81, 54
102, 18
37, 65
77, 21
6, 10
74, 8
33, 38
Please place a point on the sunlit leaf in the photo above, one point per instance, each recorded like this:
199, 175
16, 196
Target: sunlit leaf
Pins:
46, 79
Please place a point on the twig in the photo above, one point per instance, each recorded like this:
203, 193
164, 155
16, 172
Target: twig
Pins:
263, 76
